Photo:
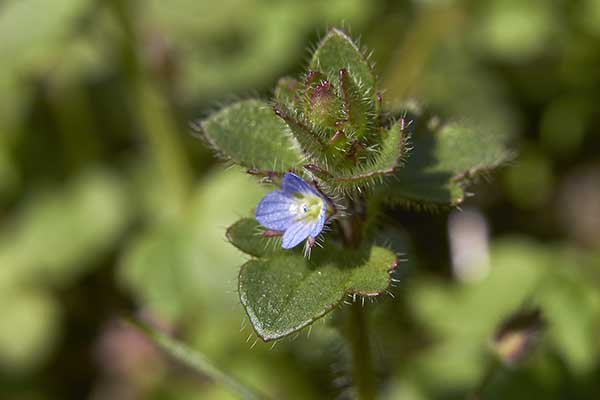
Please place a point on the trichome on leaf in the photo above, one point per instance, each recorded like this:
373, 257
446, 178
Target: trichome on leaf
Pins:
328, 132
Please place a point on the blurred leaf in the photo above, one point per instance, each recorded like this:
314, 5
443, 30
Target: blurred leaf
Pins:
180, 266
571, 112
34, 34
56, 235
462, 318
28, 329
286, 292
530, 181
531, 25
196, 361
442, 161
589, 15
156, 267
250, 134
46, 33
9, 176
568, 288
239, 45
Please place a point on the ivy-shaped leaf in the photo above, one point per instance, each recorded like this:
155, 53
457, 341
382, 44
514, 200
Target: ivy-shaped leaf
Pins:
283, 291
249, 133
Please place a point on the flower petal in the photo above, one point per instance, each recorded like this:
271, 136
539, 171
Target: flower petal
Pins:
318, 226
292, 183
296, 233
275, 210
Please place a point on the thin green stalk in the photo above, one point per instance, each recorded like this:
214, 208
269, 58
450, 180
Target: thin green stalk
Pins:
160, 129
363, 374
196, 361
159, 125
489, 374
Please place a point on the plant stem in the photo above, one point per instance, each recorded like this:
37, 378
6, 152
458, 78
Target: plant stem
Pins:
156, 118
195, 361
363, 374
491, 370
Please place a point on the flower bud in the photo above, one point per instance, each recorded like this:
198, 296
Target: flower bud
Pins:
322, 106
516, 336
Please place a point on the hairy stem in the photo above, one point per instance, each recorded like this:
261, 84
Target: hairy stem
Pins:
363, 374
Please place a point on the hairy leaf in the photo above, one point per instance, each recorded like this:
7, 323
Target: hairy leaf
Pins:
388, 158
250, 134
286, 292
442, 161
311, 140
337, 51
248, 236
358, 107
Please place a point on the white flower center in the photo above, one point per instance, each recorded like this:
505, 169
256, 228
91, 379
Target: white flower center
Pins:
307, 207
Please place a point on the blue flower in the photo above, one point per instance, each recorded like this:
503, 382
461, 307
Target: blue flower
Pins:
296, 209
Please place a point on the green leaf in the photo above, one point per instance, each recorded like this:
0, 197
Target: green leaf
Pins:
246, 235
442, 162
169, 266
311, 140
337, 51
29, 330
250, 134
195, 361
48, 29
388, 158
286, 292
358, 107
50, 234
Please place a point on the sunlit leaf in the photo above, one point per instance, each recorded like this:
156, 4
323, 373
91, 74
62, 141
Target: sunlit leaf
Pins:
337, 51
250, 134
29, 328
286, 292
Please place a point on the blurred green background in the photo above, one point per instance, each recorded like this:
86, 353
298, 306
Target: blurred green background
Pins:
109, 204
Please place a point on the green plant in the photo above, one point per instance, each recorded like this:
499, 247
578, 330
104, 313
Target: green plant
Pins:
342, 160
